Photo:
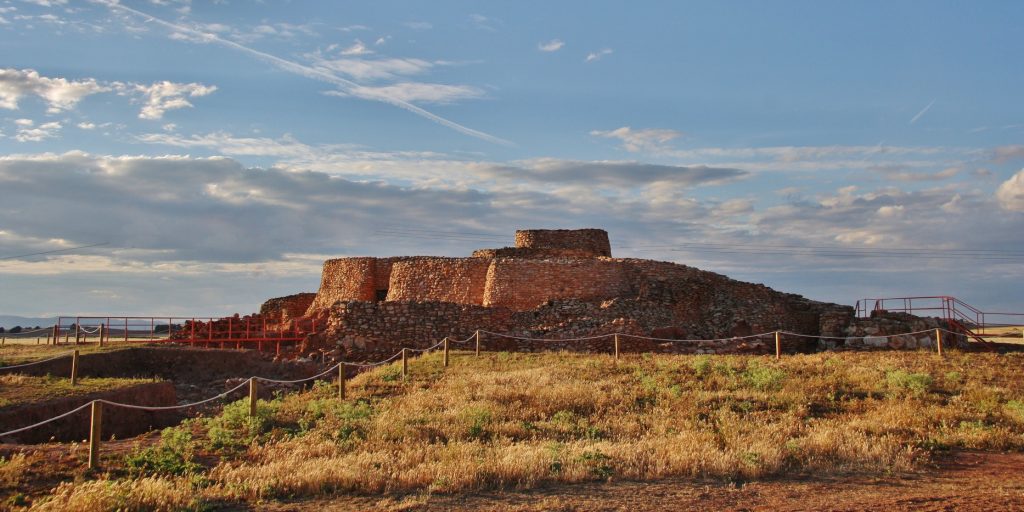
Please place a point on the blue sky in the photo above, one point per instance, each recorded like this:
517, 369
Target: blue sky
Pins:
221, 150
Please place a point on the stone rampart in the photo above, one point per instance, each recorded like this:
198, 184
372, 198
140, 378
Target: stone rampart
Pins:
459, 280
522, 284
594, 242
284, 309
379, 328
345, 279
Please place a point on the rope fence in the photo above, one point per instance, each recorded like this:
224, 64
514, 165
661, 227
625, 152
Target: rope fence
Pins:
252, 382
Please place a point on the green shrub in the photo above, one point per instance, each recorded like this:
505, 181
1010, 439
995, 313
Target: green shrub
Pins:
171, 456
391, 374
234, 429
597, 463
1017, 408
763, 378
478, 418
915, 383
700, 366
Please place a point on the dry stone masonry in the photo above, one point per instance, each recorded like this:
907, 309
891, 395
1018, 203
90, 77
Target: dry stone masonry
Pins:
557, 284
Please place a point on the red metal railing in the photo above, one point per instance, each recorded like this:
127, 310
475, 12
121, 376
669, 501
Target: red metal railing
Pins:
254, 331
959, 314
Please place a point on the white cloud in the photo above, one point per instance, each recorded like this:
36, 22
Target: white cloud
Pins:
357, 48
551, 46
598, 55
419, 25
416, 92
166, 95
86, 126
1003, 154
897, 172
886, 212
1011, 193
27, 132
60, 94
302, 70
484, 22
735, 207
651, 139
375, 69
47, 3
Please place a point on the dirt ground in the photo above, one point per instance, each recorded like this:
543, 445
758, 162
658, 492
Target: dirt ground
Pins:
964, 481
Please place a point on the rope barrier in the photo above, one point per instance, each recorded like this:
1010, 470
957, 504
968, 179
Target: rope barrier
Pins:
44, 422
734, 338
428, 349
467, 340
317, 376
947, 331
392, 358
34, 362
173, 407
378, 363
523, 338
23, 332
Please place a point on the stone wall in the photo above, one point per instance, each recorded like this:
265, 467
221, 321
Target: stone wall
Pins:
593, 242
525, 284
459, 280
378, 329
345, 279
877, 332
284, 309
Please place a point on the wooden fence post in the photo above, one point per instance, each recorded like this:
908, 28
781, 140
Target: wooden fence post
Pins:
253, 387
478, 342
616, 347
95, 433
405, 365
938, 340
74, 368
341, 380
778, 346
445, 351
101, 334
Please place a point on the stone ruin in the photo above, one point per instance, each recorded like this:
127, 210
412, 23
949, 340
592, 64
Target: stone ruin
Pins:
557, 284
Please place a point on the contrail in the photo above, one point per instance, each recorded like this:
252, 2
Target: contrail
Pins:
310, 72
922, 112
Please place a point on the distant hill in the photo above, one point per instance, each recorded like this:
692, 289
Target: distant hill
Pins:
8, 321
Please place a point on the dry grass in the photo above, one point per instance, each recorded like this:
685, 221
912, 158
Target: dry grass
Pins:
523, 420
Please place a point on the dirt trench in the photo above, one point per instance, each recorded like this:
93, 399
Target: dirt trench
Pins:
180, 374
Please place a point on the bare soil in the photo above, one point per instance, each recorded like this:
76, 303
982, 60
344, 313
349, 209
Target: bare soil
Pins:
960, 481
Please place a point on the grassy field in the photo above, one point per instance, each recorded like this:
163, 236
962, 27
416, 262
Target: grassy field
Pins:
1006, 334
18, 353
517, 421
18, 389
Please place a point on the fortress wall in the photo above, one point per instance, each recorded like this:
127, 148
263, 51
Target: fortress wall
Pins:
534, 253
383, 267
588, 242
287, 308
381, 328
345, 279
526, 284
459, 280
